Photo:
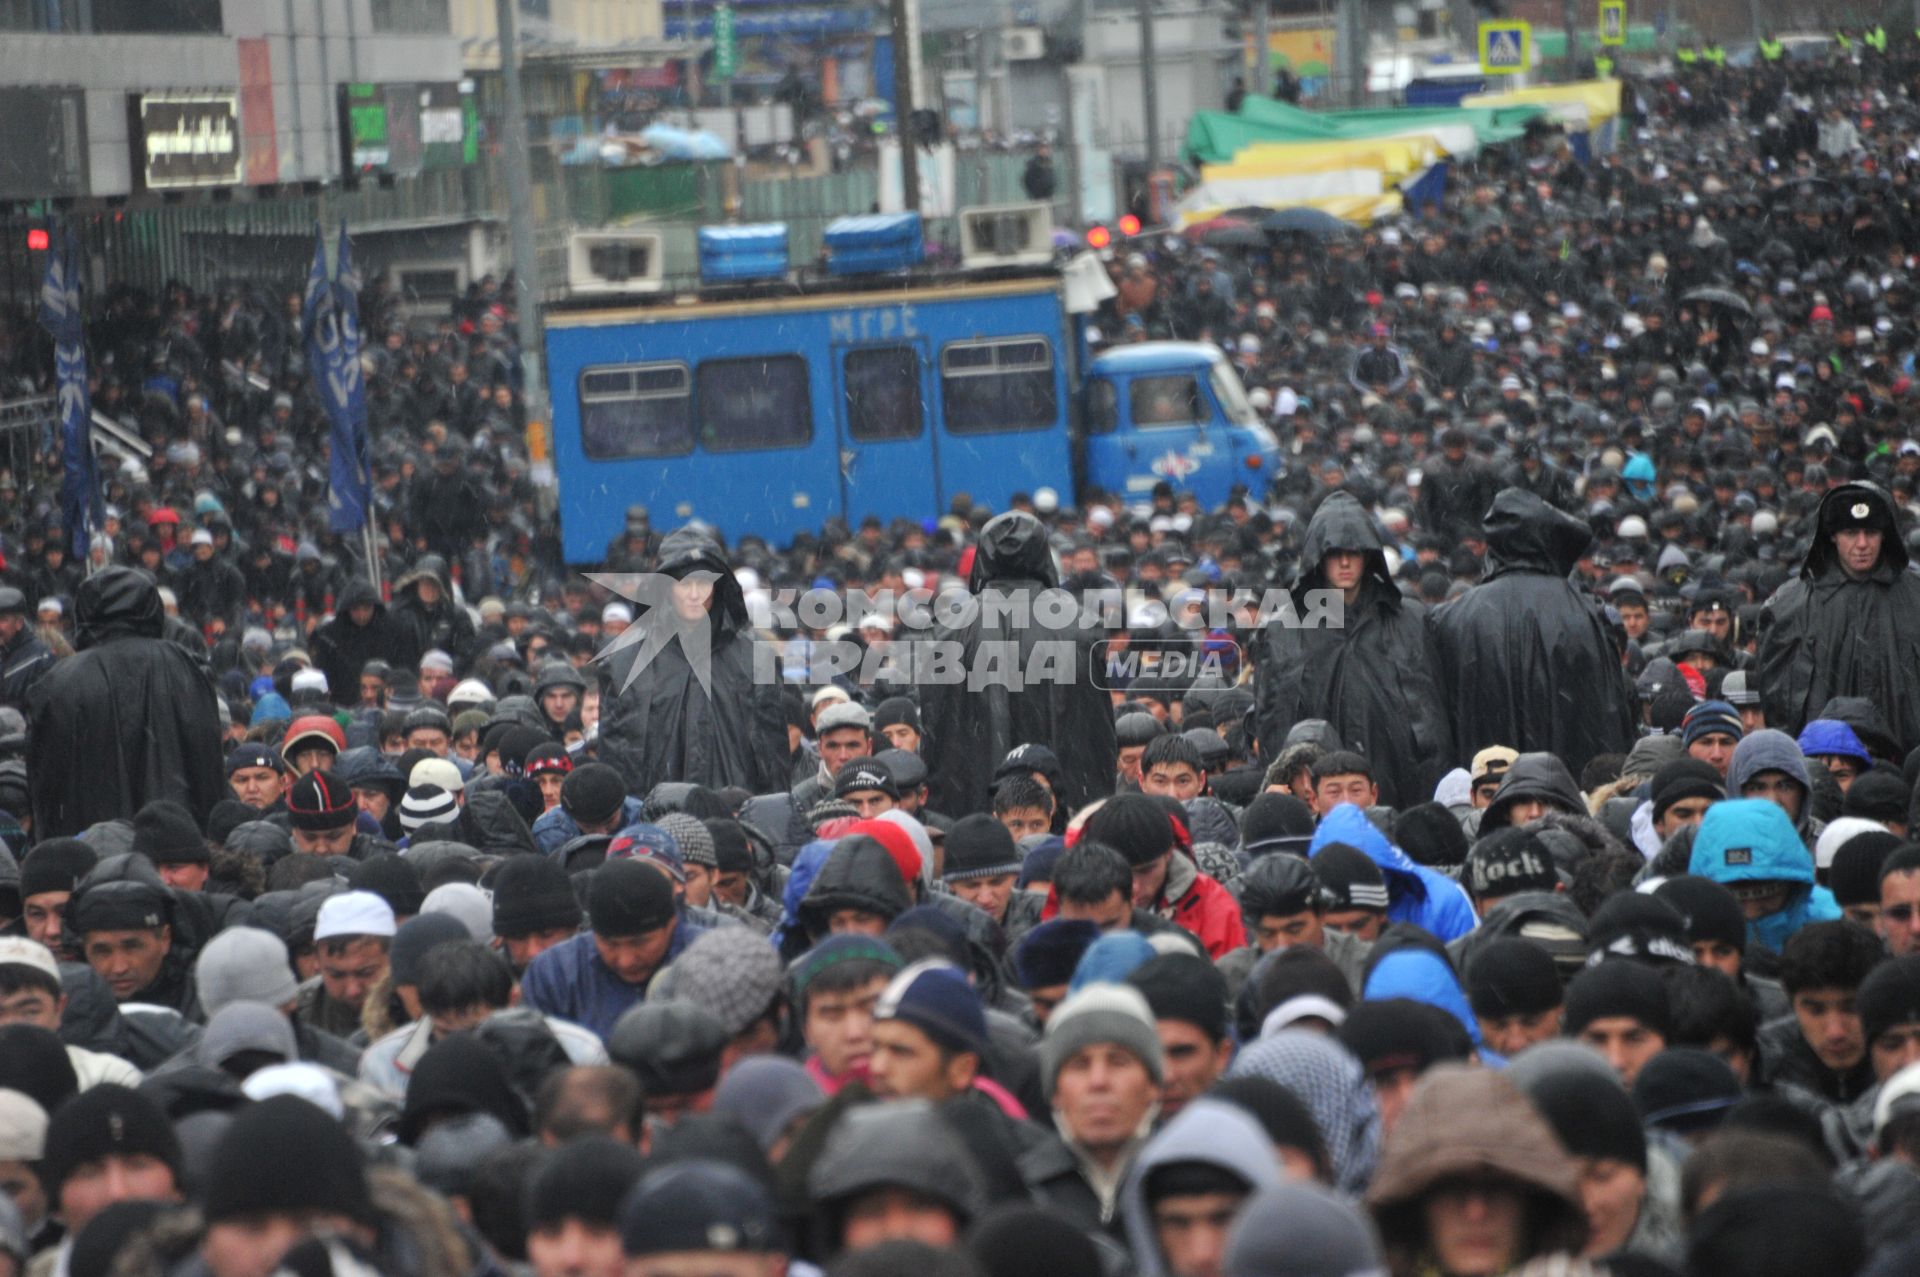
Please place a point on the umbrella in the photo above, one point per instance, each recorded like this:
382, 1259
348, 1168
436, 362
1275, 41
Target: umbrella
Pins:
1712, 295
1305, 221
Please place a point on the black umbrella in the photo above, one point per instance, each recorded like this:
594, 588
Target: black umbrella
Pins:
1714, 295
1305, 221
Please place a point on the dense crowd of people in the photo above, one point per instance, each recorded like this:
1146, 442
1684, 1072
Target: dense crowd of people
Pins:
1551, 909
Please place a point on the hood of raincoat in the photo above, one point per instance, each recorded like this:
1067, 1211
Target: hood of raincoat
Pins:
688, 550
1525, 534
1342, 523
1823, 558
903, 1144
858, 874
1013, 547
1209, 1131
358, 592
117, 603
1538, 776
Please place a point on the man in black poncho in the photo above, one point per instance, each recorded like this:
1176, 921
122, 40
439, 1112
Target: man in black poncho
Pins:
970, 731
659, 724
1849, 624
1375, 677
1528, 658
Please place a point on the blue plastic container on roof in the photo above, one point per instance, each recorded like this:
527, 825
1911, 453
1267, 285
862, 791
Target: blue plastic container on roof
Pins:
873, 243
729, 254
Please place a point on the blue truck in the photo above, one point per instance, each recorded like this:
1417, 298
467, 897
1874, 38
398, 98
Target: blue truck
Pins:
888, 394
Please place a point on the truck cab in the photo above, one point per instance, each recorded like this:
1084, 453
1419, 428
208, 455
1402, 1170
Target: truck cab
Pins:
1173, 411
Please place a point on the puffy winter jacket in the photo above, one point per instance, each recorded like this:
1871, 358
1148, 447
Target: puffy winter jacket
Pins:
1415, 893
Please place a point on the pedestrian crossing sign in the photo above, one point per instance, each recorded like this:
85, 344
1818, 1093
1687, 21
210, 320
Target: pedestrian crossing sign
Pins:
1613, 22
1505, 47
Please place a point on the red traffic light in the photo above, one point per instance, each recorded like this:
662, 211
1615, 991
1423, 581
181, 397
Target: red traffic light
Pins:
37, 241
1099, 237
1129, 224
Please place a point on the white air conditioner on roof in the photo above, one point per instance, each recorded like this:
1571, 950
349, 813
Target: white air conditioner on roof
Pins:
1023, 44
606, 263
1006, 235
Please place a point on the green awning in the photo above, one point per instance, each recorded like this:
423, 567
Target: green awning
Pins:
1215, 137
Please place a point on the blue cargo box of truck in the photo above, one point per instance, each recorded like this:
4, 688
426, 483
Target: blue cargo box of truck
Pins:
874, 243
730, 254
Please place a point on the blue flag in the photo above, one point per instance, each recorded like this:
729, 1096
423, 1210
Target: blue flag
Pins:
80, 504
332, 317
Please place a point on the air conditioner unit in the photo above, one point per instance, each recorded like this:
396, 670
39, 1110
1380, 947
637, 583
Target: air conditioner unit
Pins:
1023, 44
1006, 235
606, 263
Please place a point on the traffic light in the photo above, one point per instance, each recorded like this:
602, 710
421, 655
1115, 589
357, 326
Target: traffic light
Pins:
1099, 237
1129, 224
38, 240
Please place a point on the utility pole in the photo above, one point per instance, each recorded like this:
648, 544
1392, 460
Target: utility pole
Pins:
1262, 52
1150, 89
526, 266
1567, 8
905, 59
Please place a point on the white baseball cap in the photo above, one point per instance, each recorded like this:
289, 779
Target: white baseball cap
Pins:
354, 913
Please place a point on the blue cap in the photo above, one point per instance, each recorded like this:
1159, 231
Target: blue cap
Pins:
698, 1205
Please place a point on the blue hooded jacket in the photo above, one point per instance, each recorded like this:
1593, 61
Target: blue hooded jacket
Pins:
1824, 736
1422, 976
1415, 893
806, 867
1751, 840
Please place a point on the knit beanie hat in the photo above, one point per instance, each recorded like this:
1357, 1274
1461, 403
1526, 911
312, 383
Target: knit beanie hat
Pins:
584, 1179
1708, 717
1111, 959
285, 1155
1512, 977
246, 1027
1048, 954
733, 972
690, 832
165, 833
1879, 795
1506, 862
1777, 1230
1684, 1089
533, 893
627, 898
732, 851
1276, 822
1685, 778
393, 878
1709, 910
244, 964
1629, 989
1350, 877
415, 937
1133, 825
1591, 1114
936, 999
1016, 1239
427, 805
1185, 987
1853, 877
107, 1121
831, 952
1889, 997
227, 815
320, 801
978, 846
1633, 924
1100, 1013
863, 774
1431, 835
58, 864
34, 1062
592, 794
1399, 1033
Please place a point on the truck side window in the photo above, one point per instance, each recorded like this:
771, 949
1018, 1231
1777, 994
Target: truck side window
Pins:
1005, 384
1165, 401
759, 402
638, 410
883, 393
1103, 406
